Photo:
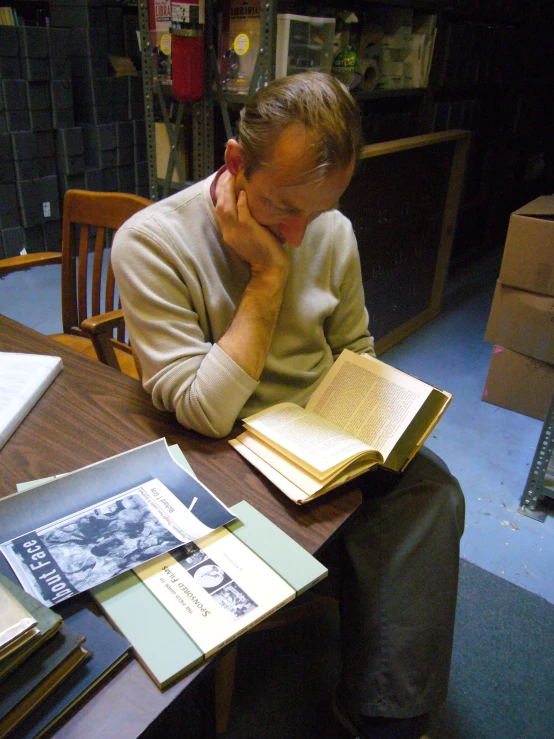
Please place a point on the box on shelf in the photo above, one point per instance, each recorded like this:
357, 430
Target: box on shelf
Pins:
12, 240
7, 171
35, 69
528, 260
40, 120
14, 93
522, 321
33, 41
9, 43
25, 169
52, 231
8, 199
163, 150
304, 44
396, 48
18, 120
519, 383
10, 67
34, 239
240, 44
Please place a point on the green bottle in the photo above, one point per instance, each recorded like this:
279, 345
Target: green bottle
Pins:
345, 64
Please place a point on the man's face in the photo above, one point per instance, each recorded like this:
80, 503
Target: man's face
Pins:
286, 194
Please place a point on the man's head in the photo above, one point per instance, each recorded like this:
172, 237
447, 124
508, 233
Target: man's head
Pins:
296, 151
318, 101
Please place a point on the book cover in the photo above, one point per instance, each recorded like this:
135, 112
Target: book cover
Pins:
47, 623
37, 676
141, 610
109, 650
77, 501
23, 379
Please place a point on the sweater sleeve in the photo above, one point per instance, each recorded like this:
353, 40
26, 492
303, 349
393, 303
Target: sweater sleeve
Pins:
347, 326
182, 368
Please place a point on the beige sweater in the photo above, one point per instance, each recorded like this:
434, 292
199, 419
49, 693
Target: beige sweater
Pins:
180, 287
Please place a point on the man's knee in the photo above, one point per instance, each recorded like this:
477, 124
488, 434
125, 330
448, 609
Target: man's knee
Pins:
442, 489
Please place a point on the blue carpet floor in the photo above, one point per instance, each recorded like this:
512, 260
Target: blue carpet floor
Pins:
501, 686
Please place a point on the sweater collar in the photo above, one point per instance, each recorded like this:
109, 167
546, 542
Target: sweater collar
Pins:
214, 183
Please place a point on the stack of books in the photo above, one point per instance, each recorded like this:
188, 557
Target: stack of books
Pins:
46, 665
176, 572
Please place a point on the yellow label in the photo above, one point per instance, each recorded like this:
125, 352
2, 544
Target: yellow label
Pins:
165, 44
241, 44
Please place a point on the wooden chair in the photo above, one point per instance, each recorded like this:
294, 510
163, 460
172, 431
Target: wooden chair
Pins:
308, 606
90, 220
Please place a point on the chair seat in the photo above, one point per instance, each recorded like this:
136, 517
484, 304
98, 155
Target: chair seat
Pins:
84, 346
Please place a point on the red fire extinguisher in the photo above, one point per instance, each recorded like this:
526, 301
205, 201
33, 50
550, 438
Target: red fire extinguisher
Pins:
187, 52
187, 64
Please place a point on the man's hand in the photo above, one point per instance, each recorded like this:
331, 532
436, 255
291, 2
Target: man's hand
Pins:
248, 338
251, 242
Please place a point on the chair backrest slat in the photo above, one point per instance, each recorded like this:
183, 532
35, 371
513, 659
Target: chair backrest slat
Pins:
98, 258
110, 288
82, 281
86, 215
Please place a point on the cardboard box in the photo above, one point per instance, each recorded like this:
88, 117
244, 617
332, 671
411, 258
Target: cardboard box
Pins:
519, 383
163, 150
522, 321
528, 260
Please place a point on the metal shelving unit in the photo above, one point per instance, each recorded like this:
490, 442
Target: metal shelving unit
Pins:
147, 83
539, 488
201, 114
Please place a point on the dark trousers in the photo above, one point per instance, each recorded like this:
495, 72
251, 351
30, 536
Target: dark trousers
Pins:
395, 568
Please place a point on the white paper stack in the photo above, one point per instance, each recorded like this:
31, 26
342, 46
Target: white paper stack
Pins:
23, 379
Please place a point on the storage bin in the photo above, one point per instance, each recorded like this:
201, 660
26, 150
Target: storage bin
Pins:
304, 44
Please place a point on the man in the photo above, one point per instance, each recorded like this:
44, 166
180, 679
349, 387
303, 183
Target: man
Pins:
239, 292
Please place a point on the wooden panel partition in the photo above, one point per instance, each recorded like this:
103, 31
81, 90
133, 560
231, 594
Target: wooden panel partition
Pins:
403, 202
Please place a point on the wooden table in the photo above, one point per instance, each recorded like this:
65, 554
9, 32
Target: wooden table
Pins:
91, 412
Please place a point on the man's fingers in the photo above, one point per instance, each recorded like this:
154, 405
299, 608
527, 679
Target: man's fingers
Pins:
243, 210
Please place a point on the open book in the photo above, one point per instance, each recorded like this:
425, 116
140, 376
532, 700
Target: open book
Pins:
364, 413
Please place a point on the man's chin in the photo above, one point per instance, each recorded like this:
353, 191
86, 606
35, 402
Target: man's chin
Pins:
280, 238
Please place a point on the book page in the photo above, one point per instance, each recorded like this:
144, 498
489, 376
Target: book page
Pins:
285, 485
369, 400
299, 477
312, 442
294, 482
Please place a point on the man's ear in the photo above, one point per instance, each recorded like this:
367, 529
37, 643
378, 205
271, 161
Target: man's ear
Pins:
234, 160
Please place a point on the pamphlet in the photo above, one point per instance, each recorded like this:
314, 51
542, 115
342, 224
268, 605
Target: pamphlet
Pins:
56, 557
82, 550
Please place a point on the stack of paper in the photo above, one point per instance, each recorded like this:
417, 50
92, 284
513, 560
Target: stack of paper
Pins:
23, 379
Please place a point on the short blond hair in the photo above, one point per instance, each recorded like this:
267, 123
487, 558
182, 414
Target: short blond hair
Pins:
317, 100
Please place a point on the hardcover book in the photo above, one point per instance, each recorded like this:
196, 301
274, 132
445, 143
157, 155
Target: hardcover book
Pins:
109, 650
47, 623
364, 413
17, 625
180, 608
37, 676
